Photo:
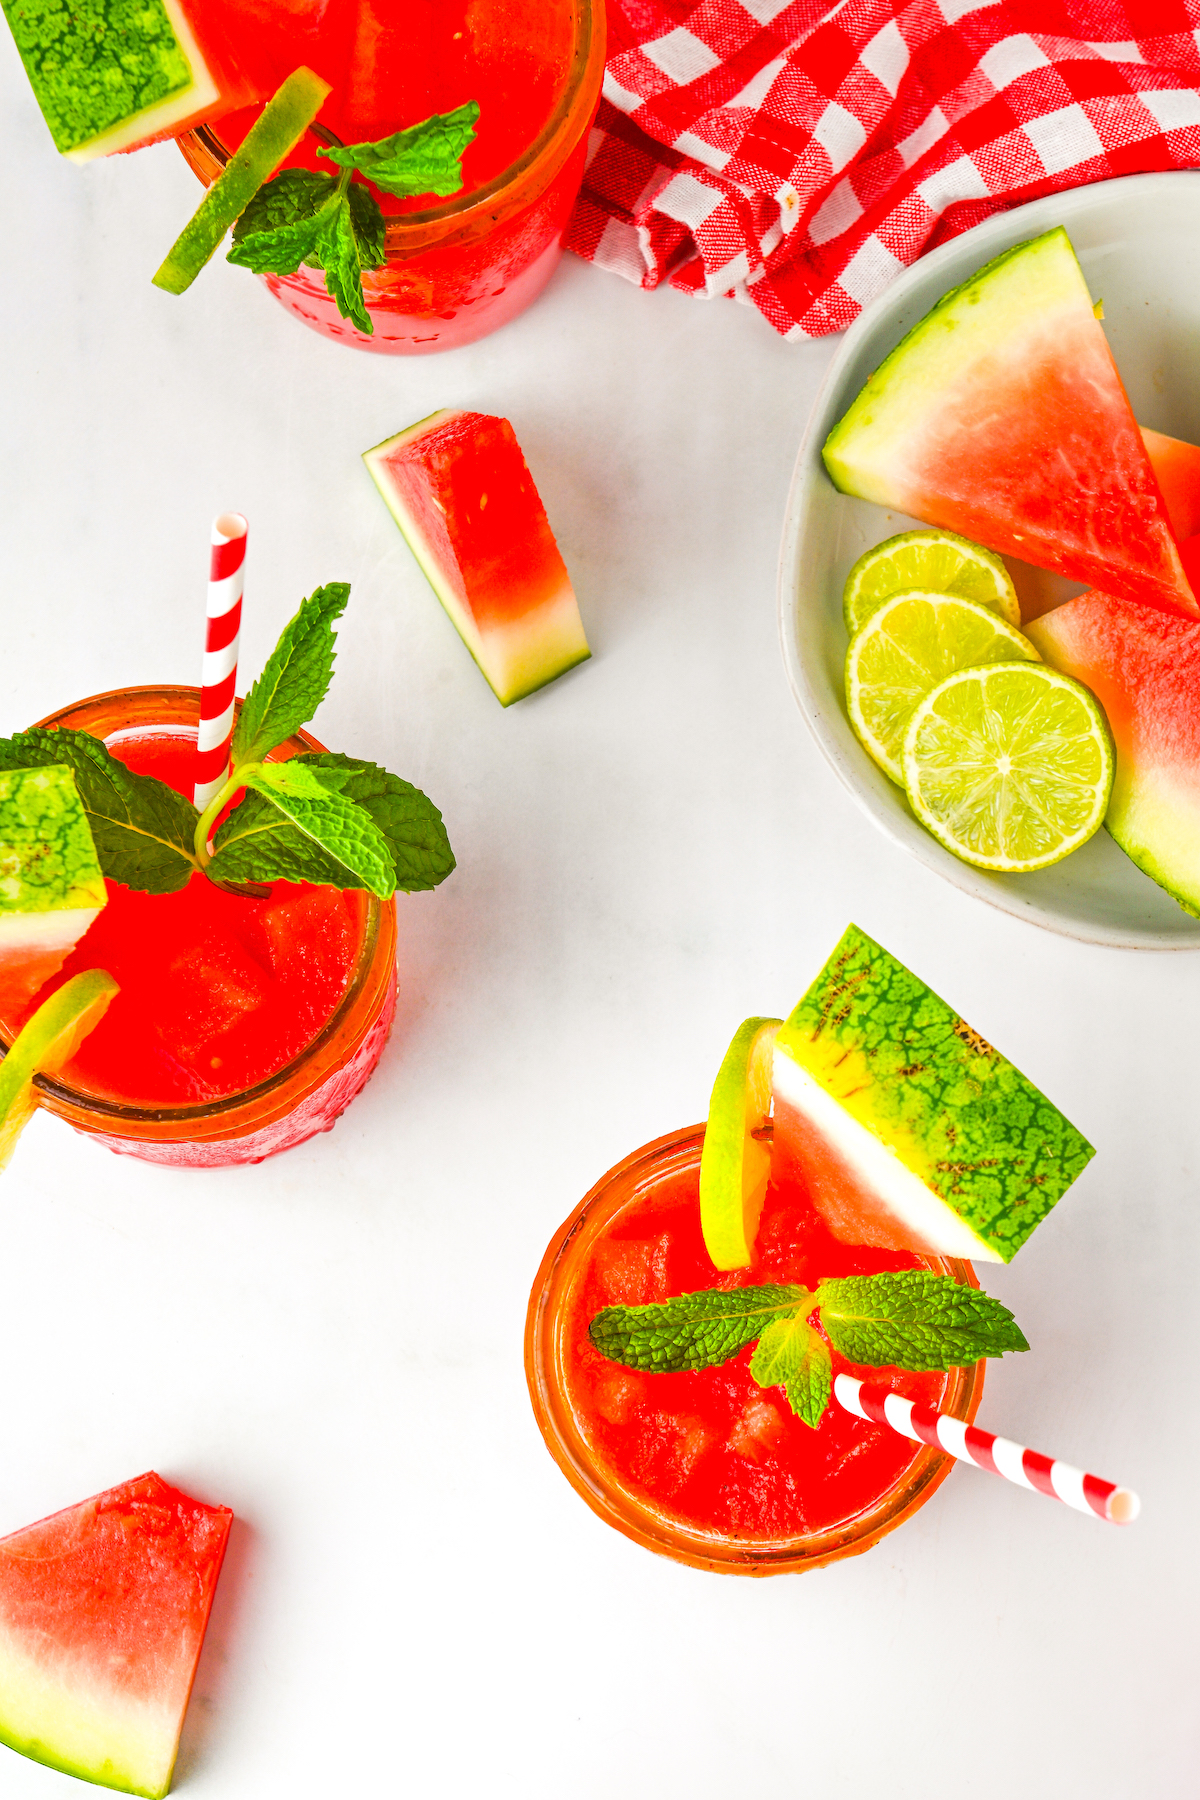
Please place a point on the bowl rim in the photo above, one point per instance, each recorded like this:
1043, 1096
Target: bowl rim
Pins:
980, 243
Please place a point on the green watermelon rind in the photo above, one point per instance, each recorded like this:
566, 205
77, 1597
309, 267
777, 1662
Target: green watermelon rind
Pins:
110, 74
48, 858
989, 1144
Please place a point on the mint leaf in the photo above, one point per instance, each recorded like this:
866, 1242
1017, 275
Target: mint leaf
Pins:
339, 829
793, 1356
344, 254
295, 679
280, 227
423, 159
410, 823
327, 221
914, 1320
693, 1331
257, 842
143, 829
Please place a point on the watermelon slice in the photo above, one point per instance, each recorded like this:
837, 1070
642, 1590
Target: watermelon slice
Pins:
1177, 470
1144, 668
118, 74
1001, 416
458, 488
909, 1131
103, 1610
51, 887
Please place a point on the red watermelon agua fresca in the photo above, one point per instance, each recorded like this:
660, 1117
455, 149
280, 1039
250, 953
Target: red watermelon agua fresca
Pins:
1001, 416
1144, 668
458, 487
103, 1610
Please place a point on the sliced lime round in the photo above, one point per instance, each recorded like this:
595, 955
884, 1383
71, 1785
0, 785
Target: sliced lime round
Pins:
45, 1044
1009, 766
908, 645
938, 562
277, 130
734, 1164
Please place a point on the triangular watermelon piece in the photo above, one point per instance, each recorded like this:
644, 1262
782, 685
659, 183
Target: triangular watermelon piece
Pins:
461, 492
103, 1609
1002, 416
1144, 669
904, 1125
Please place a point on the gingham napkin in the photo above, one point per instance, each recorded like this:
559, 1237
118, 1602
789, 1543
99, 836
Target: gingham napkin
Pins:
798, 155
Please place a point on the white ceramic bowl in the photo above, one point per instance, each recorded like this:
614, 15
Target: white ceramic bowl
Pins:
1138, 240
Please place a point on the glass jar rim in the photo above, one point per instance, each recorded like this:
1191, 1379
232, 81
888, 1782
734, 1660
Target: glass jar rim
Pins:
120, 1112
413, 232
640, 1519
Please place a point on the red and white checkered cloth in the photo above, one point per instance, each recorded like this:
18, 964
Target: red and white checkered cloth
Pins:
797, 155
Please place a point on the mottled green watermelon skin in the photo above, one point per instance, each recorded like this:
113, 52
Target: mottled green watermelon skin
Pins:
103, 1609
954, 1111
1001, 416
1144, 669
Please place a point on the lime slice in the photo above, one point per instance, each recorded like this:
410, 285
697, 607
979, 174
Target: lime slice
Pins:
1010, 766
909, 644
734, 1164
45, 1043
277, 130
938, 562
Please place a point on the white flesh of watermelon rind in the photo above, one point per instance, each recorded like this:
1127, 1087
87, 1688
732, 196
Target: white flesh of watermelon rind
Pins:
55, 1711
876, 433
1156, 822
516, 659
167, 116
926, 1220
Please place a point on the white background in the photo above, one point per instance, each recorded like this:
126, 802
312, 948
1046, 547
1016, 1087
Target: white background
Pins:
415, 1602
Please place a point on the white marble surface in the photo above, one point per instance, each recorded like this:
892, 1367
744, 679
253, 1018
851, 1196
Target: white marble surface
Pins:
415, 1602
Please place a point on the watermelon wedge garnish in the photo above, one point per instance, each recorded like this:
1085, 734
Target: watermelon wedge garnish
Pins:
1001, 416
109, 76
51, 887
103, 1610
1144, 668
908, 1130
459, 489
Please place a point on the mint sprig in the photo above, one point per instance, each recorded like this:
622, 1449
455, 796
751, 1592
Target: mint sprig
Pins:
322, 817
334, 223
260, 842
913, 1320
328, 221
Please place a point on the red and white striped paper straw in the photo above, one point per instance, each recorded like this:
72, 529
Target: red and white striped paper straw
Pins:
225, 577
1086, 1493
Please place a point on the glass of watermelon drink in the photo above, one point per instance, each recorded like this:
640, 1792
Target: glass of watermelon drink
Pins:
243, 1026
707, 1466
456, 269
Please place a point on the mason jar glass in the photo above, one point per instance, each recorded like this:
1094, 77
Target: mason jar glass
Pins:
310, 1092
564, 1425
460, 269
